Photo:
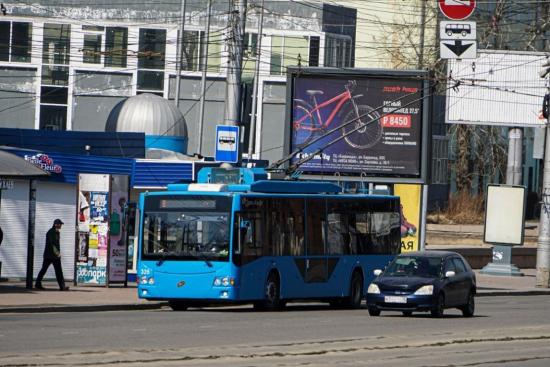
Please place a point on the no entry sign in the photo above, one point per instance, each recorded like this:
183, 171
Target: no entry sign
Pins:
457, 9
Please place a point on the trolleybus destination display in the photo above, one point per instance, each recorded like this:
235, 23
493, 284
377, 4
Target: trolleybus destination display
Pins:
378, 116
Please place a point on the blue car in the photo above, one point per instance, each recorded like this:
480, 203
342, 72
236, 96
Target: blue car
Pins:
423, 281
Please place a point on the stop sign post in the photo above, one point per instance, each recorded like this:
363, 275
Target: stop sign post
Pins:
457, 9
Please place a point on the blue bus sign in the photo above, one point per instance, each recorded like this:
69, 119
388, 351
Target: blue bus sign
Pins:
227, 144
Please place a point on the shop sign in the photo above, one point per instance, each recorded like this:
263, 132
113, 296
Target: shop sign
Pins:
45, 162
6, 184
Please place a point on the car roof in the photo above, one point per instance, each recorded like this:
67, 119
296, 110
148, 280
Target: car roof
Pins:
440, 254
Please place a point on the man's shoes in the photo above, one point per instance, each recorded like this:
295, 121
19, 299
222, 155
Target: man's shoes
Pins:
39, 286
64, 289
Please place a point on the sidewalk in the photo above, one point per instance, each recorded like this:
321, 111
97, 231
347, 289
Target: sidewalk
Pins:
15, 298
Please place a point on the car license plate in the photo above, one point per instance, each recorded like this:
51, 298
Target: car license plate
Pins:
395, 299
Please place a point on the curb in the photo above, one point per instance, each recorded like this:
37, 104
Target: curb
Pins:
500, 293
159, 305
82, 308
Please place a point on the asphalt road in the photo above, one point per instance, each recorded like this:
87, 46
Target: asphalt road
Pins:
507, 331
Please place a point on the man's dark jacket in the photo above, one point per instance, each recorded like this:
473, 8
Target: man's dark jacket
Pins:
52, 249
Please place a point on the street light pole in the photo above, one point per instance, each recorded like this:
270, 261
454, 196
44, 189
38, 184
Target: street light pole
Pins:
254, 113
237, 18
543, 243
203, 78
179, 53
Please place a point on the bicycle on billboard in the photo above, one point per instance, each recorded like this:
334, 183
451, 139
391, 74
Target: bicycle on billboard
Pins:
308, 121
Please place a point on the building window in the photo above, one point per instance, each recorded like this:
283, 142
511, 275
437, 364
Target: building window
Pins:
56, 44
152, 47
338, 51
151, 56
111, 43
54, 93
15, 41
292, 51
116, 47
91, 52
53, 117
193, 49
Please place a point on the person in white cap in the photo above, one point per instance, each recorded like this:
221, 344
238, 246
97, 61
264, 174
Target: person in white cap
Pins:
52, 255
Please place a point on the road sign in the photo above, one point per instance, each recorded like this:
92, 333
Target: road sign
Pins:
449, 30
458, 40
227, 144
457, 9
457, 49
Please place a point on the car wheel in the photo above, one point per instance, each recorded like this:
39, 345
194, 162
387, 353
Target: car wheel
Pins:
373, 311
469, 308
407, 313
439, 306
177, 305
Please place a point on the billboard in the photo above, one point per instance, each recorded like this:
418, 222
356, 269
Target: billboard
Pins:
501, 88
360, 123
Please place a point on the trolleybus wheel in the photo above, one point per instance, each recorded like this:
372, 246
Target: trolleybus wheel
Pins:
177, 305
356, 291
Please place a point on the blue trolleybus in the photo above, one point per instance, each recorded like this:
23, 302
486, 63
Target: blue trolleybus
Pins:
262, 241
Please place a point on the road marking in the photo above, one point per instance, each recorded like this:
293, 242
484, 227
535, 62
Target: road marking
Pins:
69, 332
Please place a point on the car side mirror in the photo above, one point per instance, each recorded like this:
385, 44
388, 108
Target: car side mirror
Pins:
377, 272
450, 274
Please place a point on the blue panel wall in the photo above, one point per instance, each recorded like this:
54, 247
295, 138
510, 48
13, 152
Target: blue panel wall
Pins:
71, 165
130, 145
160, 174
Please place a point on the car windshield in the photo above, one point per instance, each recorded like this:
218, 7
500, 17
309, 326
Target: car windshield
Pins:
190, 228
414, 266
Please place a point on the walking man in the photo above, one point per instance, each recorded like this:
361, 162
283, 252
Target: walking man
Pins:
52, 255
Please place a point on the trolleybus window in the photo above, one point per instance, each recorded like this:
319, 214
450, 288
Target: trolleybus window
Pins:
186, 228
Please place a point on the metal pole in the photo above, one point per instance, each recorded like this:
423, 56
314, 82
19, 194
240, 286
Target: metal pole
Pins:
253, 117
422, 33
423, 217
179, 53
233, 85
543, 244
513, 167
30, 234
203, 79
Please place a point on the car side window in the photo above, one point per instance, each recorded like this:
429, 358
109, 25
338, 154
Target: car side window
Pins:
449, 266
459, 265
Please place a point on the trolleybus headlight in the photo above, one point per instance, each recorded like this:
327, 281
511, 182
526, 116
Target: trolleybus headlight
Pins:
426, 290
373, 289
224, 281
144, 280
151, 281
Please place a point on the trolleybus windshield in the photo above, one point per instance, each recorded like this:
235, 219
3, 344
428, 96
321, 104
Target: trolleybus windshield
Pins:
190, 227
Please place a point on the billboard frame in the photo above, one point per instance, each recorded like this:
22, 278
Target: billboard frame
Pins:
426, 106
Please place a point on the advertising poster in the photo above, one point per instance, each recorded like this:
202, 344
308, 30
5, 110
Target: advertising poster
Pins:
411, 201
93, 229
89, 274
117, 224
384, 137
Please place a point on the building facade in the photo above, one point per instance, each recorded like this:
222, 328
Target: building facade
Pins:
64, 67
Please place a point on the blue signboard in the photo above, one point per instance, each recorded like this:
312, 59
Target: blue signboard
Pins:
227, 144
